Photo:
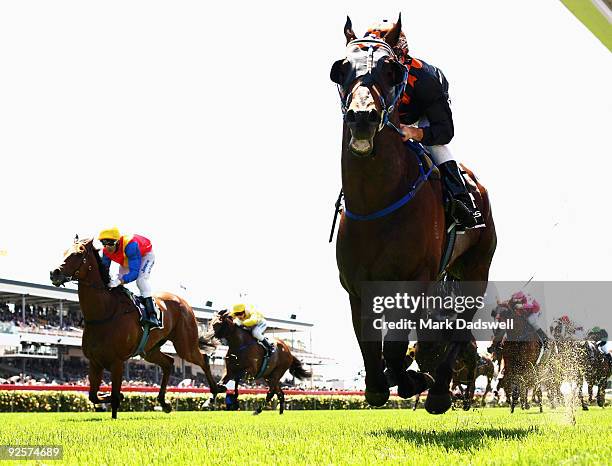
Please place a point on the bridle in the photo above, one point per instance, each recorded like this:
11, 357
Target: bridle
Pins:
74, 277
367, 73
375, 50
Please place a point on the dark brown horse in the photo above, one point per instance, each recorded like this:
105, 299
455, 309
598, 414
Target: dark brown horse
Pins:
520, 357
382, 243
245, 359
427, 355
463, 376
597, 370
113, 332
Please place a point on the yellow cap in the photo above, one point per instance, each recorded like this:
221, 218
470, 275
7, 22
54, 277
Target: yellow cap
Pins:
111, 233
237, 308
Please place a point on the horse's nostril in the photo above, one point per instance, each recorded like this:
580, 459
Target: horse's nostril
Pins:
373, 116
350, 116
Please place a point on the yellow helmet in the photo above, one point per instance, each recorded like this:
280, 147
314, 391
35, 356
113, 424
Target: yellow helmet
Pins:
237, 309
111, 233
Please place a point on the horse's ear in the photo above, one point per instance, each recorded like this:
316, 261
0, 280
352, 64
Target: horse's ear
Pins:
76, 238
348, 30
393, 35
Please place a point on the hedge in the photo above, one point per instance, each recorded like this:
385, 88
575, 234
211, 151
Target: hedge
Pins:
55, 401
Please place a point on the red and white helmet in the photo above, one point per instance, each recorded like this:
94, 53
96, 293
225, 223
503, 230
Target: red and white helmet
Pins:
379, 30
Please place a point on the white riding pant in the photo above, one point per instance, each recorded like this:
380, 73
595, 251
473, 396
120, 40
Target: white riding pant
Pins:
439, 154
259, 329
534, 321
143, 275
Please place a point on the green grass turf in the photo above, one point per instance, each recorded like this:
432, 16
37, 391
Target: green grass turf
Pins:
590, 16
489, 436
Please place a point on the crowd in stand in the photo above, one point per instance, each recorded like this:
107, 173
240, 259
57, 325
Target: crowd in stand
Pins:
39, 317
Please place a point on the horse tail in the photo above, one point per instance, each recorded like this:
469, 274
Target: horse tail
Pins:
298, 371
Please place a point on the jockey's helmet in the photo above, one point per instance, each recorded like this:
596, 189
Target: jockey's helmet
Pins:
109, 236
379, 30
519, 297
238, 309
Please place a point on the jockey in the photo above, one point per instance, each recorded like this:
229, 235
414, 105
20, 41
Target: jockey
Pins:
134, 254
563, 328
253, 320
599, 336
426, 103
526, 306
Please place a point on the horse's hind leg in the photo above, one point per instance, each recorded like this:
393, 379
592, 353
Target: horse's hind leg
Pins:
190, 352
261, 406
165, 362
281, 399
487, 390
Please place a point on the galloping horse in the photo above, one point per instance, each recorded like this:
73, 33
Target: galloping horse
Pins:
245, 358
113, 332
519, 359
462, 375
597, 370
393, 227
427, 355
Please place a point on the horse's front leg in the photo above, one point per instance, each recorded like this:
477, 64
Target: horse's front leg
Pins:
377, 388
439, 398
116, 380
95, 380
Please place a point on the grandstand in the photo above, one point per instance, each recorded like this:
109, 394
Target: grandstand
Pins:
41, 330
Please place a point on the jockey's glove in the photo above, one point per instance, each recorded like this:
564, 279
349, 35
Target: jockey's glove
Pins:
115, 282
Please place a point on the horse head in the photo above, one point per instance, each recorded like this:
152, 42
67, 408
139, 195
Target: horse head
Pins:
221, 324
370, 81
79, 261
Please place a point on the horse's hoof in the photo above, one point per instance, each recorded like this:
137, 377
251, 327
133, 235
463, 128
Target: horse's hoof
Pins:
256, 412
438, 403
585, 408
466, 407
413, 383
167, 408
376, 398
219, 389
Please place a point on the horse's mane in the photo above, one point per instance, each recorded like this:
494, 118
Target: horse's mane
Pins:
210, 339
104, 271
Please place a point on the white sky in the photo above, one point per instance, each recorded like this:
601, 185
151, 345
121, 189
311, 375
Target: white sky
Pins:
213, 129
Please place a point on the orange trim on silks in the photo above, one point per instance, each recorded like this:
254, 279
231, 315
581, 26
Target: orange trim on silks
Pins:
416, 63
411, 80
405, 99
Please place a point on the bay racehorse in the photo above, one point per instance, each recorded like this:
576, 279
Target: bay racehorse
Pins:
245, 359
112, 330
427, 354
519, 353
393, 227
597, 370
463, 376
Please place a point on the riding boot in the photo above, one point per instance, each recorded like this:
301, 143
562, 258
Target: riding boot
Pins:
150, 314
463, 209
267, 345
543, 338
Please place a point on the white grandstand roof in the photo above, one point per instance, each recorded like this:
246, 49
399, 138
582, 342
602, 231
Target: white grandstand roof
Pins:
47, 295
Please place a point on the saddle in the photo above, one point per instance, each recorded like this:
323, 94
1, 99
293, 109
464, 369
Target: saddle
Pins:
137, 303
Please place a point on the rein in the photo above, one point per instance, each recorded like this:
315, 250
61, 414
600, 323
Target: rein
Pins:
368, 79
416, 185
